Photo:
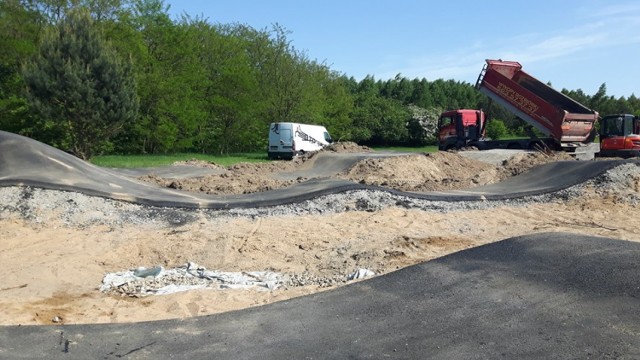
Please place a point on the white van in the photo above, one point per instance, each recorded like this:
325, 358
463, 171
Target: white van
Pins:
287, 140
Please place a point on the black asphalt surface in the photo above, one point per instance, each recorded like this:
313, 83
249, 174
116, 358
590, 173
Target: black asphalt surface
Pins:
26, 162
545, 296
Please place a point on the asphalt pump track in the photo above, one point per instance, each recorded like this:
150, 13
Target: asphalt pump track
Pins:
26, 162
551, 295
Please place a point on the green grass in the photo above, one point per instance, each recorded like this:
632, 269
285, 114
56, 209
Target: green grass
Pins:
141, 161
431, 148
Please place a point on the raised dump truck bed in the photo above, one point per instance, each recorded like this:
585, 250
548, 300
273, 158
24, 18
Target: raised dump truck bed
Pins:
548, 110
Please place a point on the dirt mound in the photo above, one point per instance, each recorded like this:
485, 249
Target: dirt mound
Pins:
347, 147
417, 172
199, 163
423, 172
228, 183
241, 178
262, 168
522, 162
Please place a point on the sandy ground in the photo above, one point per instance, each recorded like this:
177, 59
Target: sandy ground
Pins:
52, 268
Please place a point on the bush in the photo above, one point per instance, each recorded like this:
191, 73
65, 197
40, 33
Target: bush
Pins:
496, 129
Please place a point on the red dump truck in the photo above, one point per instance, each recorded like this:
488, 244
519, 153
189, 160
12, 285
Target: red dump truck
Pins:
565, 123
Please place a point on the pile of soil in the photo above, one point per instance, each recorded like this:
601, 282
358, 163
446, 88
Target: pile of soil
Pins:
416, 172
422, 172
199, 163
223, 184
521, 162
347, 147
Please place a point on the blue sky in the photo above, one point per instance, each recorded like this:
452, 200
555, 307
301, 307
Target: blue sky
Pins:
573, 44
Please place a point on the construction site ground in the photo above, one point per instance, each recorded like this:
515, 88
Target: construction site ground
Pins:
58, 245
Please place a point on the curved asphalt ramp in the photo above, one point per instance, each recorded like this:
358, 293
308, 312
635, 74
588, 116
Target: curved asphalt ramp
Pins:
545, 296
26, 162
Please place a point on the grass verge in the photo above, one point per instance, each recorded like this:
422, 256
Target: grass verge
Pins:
141, 161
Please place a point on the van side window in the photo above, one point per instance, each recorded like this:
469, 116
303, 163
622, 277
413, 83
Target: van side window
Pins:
327, 137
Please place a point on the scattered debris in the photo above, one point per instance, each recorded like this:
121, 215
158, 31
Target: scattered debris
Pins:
158, 281
142, 281
360, 274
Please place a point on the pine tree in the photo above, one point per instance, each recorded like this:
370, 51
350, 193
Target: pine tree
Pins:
78, 83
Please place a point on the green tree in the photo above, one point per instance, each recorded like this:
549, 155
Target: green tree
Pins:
496, 129
19, 27
79, 84
228, 92
423, 125
378, 120
336, 102
154, 42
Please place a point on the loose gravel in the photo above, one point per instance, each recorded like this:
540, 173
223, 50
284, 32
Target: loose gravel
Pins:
78, 210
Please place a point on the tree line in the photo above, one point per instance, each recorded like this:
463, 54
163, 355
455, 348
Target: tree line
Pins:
120, 76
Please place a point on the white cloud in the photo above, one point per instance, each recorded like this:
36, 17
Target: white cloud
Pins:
616, 27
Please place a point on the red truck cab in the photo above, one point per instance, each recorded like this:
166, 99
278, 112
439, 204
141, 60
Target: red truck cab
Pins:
456, 128
620, 135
